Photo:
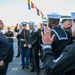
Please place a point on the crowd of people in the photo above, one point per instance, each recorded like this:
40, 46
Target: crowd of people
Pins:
54, 42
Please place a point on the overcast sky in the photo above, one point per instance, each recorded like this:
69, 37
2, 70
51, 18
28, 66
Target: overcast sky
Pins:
16, 11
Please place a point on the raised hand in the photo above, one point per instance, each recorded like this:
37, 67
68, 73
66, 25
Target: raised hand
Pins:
46, 36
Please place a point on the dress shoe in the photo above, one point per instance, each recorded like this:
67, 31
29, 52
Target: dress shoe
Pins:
18, 56
42, 68
27, 67
22, 67
38, 72
30, 67
31, 70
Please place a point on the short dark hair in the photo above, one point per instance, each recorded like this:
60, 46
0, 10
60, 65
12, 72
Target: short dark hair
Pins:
55, 21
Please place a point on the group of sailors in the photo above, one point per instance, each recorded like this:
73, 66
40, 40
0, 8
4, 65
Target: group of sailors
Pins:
30, 41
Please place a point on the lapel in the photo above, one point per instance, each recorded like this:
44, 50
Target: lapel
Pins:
3, 38
30, 34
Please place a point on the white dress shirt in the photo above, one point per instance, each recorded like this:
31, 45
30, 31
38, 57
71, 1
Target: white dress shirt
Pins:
31, 31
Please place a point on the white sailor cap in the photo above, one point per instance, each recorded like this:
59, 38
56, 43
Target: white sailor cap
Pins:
41, 23
23, 23
20, 24
54, 16
31, 23
73, 15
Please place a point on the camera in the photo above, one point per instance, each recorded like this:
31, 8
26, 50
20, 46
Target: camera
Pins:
45, 24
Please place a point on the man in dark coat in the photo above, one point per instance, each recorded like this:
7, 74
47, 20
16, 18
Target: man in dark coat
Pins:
33, 48
61, 37
18, 31
9, 35
67, 57
39, 34
42, 24
5, 51
24, 46
65, 63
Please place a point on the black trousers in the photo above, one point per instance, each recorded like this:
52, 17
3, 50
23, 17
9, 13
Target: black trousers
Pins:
34, 58
18, 53
3, 69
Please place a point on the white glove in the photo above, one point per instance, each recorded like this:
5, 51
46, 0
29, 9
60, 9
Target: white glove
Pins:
25, 45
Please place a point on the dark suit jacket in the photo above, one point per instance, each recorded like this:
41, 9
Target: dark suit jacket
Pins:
32, 38
23, 35
5, 51
64, 63
39, 36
